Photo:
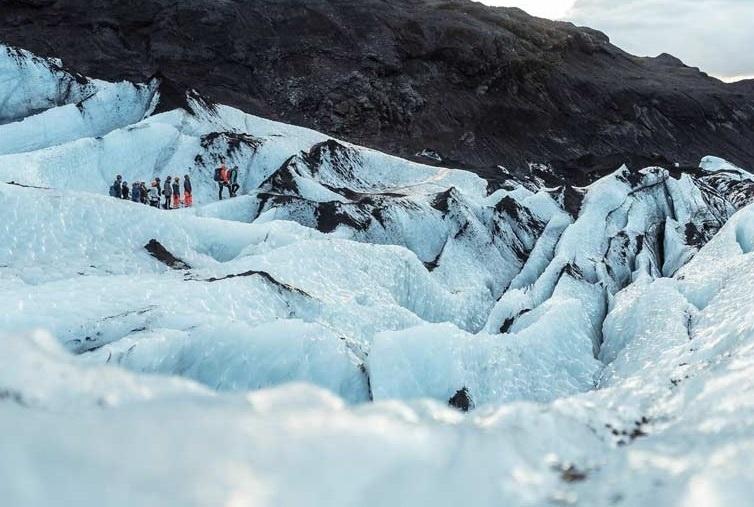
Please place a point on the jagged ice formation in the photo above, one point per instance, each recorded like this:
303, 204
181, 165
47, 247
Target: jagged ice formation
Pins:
317, 339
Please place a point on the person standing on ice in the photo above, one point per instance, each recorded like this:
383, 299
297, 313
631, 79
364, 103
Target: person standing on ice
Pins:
115, 188
167, 191
188, 199
176, 192
124, 190
143, 189
136, 192
233, 181
153, 197
221, 177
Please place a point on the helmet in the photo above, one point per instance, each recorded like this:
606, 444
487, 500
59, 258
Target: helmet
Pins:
119, 177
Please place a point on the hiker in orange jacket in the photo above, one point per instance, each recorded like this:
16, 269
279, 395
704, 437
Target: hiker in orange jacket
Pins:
222, 177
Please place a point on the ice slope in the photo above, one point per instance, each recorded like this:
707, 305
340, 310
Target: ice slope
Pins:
43, 105
31, 84
137, 312
671, 424
600, 334
508, 263
295, 445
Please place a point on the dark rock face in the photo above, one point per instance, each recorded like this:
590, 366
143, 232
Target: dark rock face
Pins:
159, 252
480, 86
462, 400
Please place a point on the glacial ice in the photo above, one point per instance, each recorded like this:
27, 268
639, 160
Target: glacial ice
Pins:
307, 354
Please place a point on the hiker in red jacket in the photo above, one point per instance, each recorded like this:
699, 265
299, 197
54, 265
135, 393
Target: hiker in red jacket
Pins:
222, 177
188, 200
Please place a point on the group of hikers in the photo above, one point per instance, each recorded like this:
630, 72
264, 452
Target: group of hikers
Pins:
170, 191
226, 178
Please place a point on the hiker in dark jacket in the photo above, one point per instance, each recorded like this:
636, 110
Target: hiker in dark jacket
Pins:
136, 192
188, 198
176, 192
143, 192
124, 190
233, 181
115, 188
167, 191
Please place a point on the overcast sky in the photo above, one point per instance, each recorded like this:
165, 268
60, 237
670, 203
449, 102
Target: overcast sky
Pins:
715, 35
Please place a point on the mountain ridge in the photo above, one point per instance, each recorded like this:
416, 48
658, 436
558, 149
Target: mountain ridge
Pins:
482, 86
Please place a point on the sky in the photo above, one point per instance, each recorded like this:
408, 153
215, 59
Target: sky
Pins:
714, 35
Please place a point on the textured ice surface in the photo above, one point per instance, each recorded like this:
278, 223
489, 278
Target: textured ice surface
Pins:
305, 349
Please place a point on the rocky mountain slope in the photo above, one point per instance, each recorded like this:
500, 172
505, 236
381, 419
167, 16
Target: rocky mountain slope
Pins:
481, 86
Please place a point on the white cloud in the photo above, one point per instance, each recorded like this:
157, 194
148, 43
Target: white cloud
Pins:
715, 35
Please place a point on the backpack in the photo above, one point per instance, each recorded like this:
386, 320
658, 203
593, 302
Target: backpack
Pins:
218, 174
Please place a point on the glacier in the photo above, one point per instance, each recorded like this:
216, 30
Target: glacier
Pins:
311, 342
